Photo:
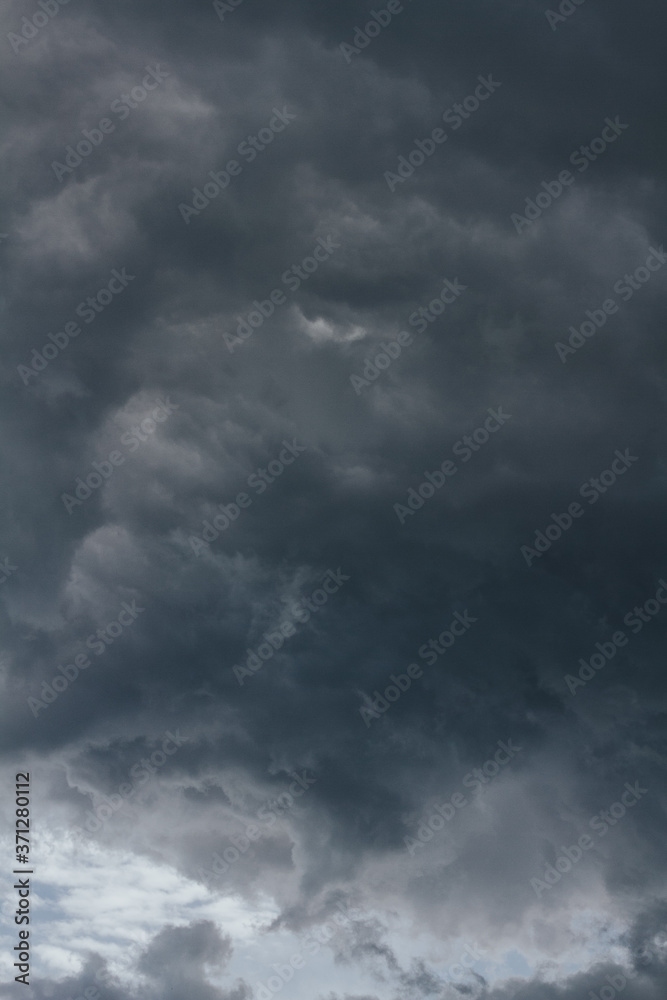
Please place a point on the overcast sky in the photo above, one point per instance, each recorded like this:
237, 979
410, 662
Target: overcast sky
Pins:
387, 397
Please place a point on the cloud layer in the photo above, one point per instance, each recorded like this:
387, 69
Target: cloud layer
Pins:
332, 449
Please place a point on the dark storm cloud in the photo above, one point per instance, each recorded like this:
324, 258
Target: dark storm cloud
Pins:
167, 335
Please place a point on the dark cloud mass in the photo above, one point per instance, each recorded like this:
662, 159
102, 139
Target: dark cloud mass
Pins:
333, 491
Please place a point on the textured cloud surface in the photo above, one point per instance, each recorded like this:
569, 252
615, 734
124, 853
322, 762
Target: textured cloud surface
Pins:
333, 467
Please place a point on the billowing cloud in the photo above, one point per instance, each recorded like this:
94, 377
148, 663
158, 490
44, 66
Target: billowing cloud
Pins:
332, 464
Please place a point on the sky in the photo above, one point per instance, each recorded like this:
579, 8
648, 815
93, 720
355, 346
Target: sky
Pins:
332, 560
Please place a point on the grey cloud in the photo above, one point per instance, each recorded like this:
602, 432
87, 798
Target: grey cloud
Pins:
164, 336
